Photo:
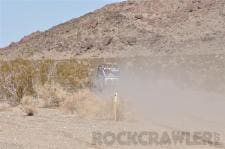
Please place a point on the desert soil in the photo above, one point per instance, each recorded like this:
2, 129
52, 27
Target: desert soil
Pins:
53, 129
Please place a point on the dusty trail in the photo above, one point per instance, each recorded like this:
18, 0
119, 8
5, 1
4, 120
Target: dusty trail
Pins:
53, 129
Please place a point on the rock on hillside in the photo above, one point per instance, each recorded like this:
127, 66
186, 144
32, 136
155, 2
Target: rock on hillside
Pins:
130, 28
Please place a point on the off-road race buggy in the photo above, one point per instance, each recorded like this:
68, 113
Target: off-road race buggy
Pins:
107, 76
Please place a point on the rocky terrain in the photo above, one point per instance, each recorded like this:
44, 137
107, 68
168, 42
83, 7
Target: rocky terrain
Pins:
131, 28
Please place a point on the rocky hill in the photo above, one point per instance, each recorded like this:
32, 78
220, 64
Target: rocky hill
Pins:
131, 28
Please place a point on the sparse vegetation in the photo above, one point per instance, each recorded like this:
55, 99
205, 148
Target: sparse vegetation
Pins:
84, 103
16, 79
46, 68
73, 73
50, 95
19, 77
63, 84
51, 84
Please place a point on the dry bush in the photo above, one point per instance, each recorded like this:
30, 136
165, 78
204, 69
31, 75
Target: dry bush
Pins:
22, 80
69, 105
45, 70
50, 95
16, 80
84, 103
17, 77
87, 105
73, 73
28, 105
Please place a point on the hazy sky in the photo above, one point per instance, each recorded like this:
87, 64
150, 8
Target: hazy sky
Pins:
22, 17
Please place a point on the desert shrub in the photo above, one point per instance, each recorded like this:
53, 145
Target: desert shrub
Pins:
45, 70
52, 84
50, 95
87, 105
84, 103
20, 77
72, 73
17, 79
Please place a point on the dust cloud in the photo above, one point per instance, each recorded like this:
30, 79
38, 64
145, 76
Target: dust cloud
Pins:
164, 101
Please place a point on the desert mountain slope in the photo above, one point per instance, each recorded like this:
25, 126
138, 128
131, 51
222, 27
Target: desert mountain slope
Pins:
130, 28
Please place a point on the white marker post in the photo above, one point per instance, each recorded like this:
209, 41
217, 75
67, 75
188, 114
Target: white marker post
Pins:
115, 106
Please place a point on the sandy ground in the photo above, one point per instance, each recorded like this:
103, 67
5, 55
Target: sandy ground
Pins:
53, 129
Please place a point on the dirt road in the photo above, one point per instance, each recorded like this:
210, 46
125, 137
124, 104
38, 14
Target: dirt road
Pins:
52, 129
